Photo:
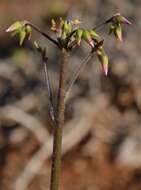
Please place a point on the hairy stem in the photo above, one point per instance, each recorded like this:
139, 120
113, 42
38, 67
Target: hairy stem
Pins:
57, 144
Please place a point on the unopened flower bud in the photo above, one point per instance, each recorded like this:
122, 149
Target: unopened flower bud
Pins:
121, 19
78, 36
116, 29
103, 58
87, 37
93, 34
22, 29
118, 32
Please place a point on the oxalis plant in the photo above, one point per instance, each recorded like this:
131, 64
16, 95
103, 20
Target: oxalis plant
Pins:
69, 36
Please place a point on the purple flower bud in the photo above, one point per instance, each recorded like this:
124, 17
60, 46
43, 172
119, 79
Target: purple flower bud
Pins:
121, 19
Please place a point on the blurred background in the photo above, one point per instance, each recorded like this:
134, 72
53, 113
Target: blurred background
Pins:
102, 135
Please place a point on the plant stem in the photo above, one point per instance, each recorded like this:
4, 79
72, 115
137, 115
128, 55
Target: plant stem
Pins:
57, 144
43, 33
77, 73
50, 94
81, 67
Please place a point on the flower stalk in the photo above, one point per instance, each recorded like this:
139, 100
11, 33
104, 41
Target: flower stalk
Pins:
57, 144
